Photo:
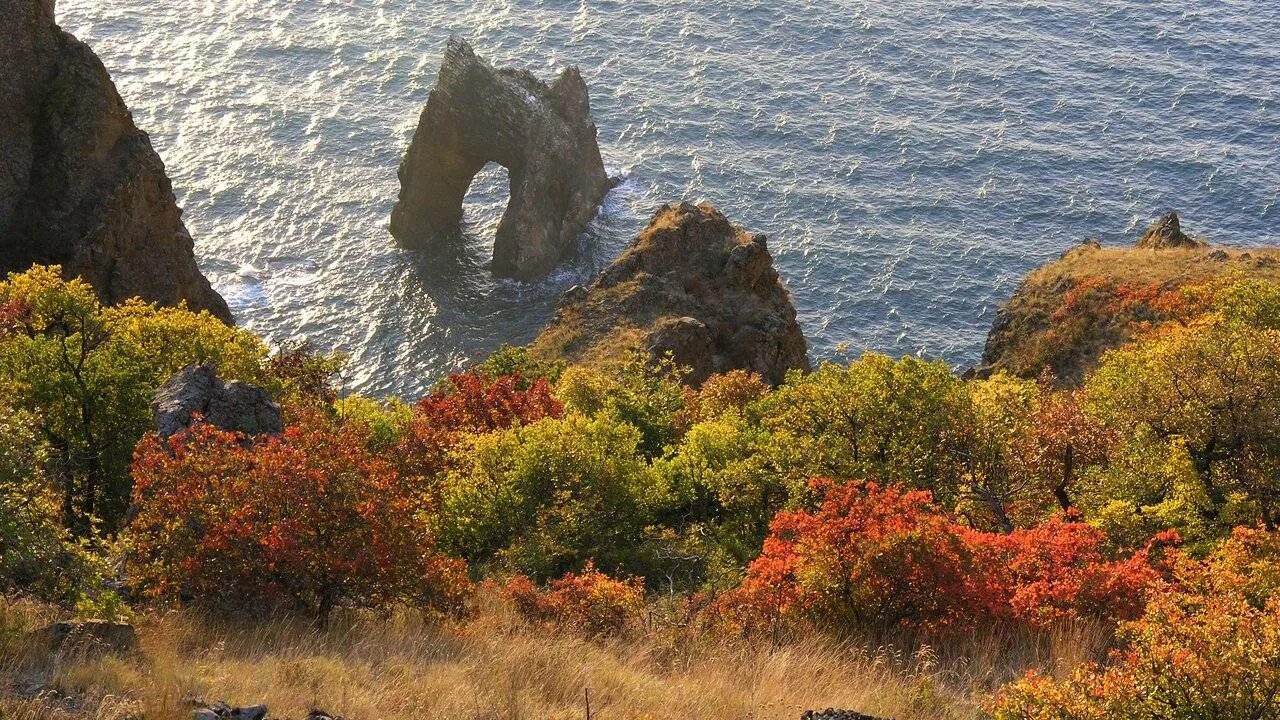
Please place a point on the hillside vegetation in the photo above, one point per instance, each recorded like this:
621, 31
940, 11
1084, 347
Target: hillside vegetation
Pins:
1067, 313
878, 533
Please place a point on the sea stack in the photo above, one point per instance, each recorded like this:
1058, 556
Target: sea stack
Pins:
80, 185
692, 285
542, 134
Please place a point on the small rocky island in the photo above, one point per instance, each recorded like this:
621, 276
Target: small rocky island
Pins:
692, 285
542, 134
80, 185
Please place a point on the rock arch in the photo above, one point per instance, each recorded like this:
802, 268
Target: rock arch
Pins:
541, 133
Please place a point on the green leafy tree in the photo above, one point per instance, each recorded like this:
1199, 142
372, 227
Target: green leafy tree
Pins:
641, 393
88, 373
36, 554
887, 420
545, 498
1212, 388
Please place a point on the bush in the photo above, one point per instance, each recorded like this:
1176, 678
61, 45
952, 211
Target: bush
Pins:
1207, 647
544, 498
869, 558
1209, 390
309, 519
872, 558
645, 395
589, 601
877, 419
467, 404
517, 361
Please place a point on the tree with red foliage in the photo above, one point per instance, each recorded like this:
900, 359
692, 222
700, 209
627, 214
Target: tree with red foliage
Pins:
308, 519
871, 558
868, 557
469, 403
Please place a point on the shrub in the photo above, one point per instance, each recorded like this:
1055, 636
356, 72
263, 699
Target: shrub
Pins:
517, 361
722, 474
300, 374
467, 404
871, 558
867, 558
544, 498
1210, 389
588, 601
1058, 571
1205, 648
720, 394
644, 394
309, 519
877, 419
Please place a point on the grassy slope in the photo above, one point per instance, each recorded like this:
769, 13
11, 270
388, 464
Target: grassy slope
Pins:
495, 666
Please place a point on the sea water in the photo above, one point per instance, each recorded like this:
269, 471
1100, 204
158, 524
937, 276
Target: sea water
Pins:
910, 161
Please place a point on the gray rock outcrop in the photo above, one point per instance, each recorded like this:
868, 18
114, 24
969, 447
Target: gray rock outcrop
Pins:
80, 185
1167, 233
692, 285
542, 134
235, 406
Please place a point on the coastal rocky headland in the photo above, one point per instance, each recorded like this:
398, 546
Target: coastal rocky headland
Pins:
1066, 314
80, 184
542, 134
692, 285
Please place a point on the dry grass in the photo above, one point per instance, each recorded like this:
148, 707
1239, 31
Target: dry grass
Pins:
1175, 265
369, 667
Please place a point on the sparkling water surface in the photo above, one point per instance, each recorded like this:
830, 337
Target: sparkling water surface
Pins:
910, 161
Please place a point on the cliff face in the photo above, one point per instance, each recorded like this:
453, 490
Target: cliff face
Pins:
541, 133
1066, 314
693, 285
80, 185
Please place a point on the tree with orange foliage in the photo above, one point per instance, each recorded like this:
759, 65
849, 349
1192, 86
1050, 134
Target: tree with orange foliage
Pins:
871, 557
309, 519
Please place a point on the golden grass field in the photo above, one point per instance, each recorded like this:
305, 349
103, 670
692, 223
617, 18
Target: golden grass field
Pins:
494, 666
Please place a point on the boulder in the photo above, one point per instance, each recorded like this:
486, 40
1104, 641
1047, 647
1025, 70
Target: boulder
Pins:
80, 185
235, 406
1167, 233
223, 711
94, 637
542, 134
831, 714
692, 285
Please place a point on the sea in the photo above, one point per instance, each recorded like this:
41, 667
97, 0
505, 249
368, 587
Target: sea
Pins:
909, 160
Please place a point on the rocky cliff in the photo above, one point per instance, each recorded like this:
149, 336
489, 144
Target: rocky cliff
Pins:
80, 185
541, 133
692, 284
1066, 314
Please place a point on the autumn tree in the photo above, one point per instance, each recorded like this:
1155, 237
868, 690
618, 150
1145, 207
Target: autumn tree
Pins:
1211, 389
310, 520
